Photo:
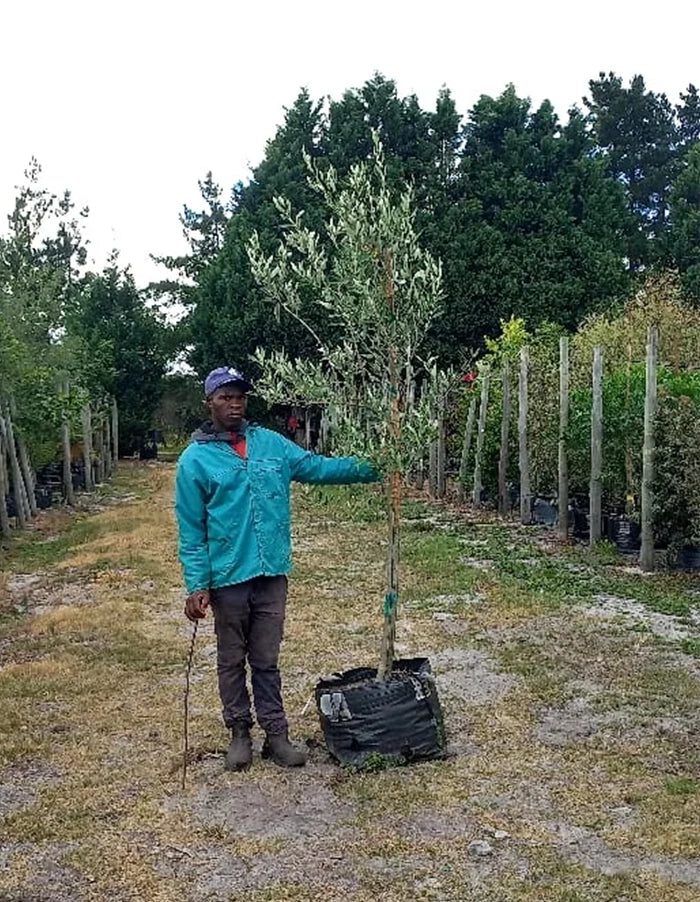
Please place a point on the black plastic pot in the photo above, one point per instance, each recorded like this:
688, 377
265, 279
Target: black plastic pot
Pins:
43, 496
624, 533
544, 513
397, 720
578, 517
687, 559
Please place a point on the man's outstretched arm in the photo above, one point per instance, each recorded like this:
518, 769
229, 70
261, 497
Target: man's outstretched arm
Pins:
305, 466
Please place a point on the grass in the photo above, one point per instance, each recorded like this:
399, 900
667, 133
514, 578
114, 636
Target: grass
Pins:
682, 786
91, 693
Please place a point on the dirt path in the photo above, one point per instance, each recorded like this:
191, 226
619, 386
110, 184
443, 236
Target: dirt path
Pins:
571, 689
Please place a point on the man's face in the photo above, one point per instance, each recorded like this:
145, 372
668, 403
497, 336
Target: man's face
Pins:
227, 407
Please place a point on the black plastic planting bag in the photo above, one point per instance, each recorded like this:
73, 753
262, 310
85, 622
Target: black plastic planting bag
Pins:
398, 719
625, 534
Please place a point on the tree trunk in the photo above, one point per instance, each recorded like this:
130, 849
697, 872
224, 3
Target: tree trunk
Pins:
18, 489
4, 489
480, 436
27, 482
563, 493
409, 405
505, 430
646, 555
65, 438
86, 418
629, 468
433, 469
523, 452
596, 491
323, 432
27, 474
307, 429
441, 485
391, 597
466, 448
24, 462
410, 387
97, 445
115, 433
420, 475
106, 450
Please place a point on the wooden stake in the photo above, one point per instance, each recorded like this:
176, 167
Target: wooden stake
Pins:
115, 433
433, 469
86, 420
629, 481
440, 485
4, 490
65, 438
106, 449
466, 448
99, 462
523, 453
307, 429
563, 493
27, 474
420, 474
29, 483
596, 490
480, 436
323, 433
646, 555
18, 492
505, 430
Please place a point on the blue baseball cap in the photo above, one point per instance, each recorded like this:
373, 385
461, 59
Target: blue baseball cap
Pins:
225, 375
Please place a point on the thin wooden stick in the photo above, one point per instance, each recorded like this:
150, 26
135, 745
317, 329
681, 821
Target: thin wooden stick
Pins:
186, 750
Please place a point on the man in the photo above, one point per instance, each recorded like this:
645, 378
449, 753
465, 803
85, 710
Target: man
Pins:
232, 506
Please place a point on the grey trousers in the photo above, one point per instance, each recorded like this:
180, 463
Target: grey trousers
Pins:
249, 621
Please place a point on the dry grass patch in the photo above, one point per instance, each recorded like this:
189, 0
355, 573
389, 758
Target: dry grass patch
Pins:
91, 722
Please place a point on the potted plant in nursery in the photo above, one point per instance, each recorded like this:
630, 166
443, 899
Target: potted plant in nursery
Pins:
677, 475
381, 291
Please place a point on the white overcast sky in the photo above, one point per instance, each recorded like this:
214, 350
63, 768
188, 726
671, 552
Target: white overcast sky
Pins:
128, 103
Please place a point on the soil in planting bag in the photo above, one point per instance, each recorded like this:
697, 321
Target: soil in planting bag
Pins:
398, 719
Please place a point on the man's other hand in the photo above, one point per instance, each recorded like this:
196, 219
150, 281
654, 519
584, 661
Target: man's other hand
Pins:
197, 604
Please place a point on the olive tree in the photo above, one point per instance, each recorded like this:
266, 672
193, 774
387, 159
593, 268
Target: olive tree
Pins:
380, 291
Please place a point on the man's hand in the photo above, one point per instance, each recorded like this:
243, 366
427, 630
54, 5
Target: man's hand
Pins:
197, 604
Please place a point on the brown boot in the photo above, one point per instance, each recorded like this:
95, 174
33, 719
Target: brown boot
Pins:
279, 749
240, 752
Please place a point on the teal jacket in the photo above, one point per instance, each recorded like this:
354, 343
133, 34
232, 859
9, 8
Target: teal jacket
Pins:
233, 514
